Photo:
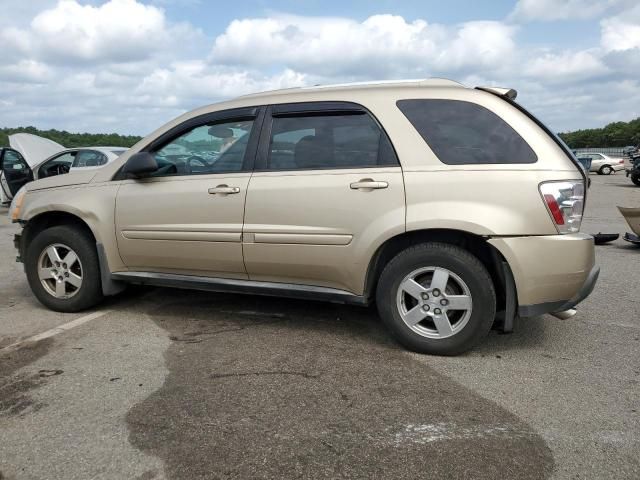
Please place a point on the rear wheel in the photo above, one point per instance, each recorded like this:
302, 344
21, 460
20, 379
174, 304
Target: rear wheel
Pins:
606, 170
436, 298
63, 270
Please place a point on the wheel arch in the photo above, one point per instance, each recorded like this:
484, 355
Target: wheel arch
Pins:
40, 222
491, 258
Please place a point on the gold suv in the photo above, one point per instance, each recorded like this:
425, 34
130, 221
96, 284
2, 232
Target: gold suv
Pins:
448, 206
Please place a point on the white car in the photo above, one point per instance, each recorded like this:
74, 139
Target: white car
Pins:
31, 158
603, 164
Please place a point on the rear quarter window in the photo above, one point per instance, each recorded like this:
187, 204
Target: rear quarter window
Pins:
463, 133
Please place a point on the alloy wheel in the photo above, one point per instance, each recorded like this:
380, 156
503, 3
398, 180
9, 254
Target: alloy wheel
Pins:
434, 302
60, 271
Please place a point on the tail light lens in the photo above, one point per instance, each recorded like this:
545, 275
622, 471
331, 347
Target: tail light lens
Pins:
565, 202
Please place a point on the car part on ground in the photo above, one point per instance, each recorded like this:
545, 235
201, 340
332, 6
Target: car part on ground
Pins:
447, 206
604, 238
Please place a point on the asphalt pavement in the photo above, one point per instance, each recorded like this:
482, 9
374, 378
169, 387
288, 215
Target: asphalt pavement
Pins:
160, 383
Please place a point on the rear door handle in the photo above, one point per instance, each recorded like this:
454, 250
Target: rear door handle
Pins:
368, 184
224, 190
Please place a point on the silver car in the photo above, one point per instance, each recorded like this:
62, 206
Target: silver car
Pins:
603, 164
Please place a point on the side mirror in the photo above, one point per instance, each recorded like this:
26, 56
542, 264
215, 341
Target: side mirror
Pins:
140, 163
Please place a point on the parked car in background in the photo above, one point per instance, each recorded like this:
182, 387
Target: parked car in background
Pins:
633, 170
603, 164
32, 157
447, 206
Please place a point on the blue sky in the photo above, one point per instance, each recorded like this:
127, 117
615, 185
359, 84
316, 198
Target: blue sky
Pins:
130, 65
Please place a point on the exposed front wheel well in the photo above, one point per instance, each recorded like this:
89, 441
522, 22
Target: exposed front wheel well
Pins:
490, 257
51, 219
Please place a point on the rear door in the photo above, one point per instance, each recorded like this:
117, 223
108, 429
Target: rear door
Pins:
15, 172
327, 189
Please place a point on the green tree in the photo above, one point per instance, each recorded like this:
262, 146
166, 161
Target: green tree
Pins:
617, 134
70, 140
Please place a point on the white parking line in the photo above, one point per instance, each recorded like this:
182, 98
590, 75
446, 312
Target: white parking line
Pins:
55, 331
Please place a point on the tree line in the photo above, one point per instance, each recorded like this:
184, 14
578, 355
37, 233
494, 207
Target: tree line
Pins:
71, 140
617, 134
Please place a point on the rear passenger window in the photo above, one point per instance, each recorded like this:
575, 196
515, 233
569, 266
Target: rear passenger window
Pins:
461, 133
328, 141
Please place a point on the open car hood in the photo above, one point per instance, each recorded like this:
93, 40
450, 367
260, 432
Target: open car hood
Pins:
33, 148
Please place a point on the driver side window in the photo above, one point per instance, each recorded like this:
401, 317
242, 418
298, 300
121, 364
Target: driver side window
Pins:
57, 166
210, 148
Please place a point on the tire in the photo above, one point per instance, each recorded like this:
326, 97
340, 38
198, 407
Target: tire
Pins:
605, 170
75, 295
426, 261
636, 179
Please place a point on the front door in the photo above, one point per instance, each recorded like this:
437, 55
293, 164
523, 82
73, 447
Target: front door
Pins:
326, 191
15, 172
186, 218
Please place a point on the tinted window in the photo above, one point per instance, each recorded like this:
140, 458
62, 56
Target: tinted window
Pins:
211, 148
328, 141
465, 133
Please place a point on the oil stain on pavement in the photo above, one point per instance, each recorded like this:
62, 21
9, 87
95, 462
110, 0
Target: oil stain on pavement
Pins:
272, 388
16, 384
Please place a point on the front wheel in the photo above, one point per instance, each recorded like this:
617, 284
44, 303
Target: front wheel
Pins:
62, 269
635, 178
436, 298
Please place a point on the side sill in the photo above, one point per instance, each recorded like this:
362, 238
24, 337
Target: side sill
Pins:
226, 285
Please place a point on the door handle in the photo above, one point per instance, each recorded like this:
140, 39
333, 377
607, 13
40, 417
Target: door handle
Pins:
224, 190
368, 184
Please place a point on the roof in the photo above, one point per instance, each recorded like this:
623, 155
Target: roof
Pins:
379, 85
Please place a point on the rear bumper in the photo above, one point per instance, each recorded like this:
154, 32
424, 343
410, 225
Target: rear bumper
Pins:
552, 307
551, 273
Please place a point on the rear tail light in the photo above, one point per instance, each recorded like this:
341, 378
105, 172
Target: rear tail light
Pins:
565, 202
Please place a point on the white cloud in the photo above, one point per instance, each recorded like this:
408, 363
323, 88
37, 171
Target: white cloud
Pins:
621, 32
29, 71
116, 31
565, 66
551, 10
385, 45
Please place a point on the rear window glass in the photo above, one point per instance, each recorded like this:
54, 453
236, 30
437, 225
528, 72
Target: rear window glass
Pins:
462, 133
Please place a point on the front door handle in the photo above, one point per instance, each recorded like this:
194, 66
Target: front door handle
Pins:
224, 190
368, 184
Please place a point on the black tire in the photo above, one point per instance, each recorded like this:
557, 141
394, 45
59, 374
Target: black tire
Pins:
635, 178
456, 260
605, 170
89, 293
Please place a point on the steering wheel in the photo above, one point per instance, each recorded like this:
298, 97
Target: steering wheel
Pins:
195, 158
59, 169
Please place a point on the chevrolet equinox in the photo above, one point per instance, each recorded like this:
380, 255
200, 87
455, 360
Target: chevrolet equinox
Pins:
447, 206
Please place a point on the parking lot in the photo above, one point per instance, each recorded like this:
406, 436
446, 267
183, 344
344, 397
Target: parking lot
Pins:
163, 383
